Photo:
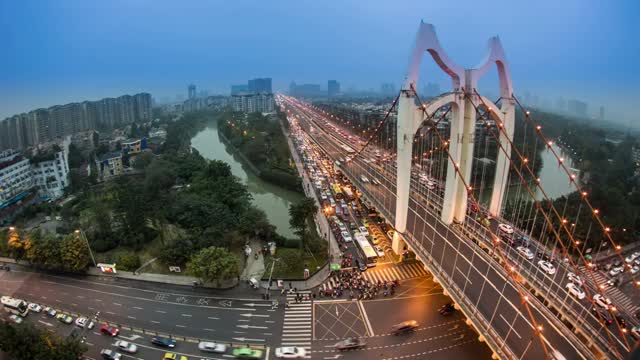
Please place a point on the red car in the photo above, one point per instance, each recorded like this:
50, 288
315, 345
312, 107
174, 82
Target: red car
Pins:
109, 330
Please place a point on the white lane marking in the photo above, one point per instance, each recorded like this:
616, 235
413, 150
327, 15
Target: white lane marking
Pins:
208, 329
186, 315
181, 326
131, 317
44, 322
155, 322
213, 318
137, 308
161, 312
117, 304
110, 313
363, 312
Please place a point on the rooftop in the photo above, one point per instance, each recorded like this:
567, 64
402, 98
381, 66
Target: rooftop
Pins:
110, 155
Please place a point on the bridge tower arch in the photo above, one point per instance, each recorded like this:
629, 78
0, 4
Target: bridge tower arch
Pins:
463, 118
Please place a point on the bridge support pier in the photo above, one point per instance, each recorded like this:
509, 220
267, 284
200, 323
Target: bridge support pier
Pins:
502, 162
481, 338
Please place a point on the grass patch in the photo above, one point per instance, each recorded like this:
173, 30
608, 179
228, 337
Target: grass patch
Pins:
292, 263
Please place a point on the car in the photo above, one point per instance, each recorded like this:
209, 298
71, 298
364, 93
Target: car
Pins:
50, 311
604, 315
64, 318
110, 354
350, 343
290, 352
602, 301
35, 307
635, 332
547, 267
505, 228
574, 278
635, 269
613, 281
363, 231
629, 259
81, 321
342, 227
323, 196
109, 330
126, 346
16, 319
616, 270
247, 353
346, 236
379, 250
163, 341
212, 347
575, 290
173, 356
525, 252
404, 327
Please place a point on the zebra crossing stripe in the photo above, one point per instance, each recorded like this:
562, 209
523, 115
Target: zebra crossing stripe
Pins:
395, 272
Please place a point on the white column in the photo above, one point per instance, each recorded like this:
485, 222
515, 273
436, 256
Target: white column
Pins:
466, 159
405, 133
455, 148
502, 162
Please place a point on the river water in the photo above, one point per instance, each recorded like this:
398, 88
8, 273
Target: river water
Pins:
272, 199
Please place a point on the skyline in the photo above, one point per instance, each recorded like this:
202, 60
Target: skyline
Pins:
98, 50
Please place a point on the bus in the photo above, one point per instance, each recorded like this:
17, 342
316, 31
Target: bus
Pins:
15, 306
348, 149
369, 253
337, 190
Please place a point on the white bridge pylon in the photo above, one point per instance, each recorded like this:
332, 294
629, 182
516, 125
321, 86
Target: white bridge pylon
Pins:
463, 119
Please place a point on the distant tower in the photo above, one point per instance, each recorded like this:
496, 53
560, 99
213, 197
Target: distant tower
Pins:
333, 88
192, 91
601, 113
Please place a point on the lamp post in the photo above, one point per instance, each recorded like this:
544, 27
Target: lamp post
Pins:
82, 235
273, 264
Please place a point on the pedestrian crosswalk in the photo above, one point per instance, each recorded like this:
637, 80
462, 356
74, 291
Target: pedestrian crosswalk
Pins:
620, 299
298, 319
400, 272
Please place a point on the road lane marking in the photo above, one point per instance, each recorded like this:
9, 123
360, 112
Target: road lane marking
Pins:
131, 317
117, 304
137, 308
161, 311
186, 315
44, 322
213, 318
208, 329
110, 313
181, 326
155, 322
363, 313
152, 300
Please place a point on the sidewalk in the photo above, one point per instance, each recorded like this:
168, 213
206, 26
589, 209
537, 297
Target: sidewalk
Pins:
315, 280
254, 268
156, 278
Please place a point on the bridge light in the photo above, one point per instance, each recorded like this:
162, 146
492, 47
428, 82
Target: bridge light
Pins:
602, 286
538, 127
538, 180
577, 242
550, 143
513, 268
618, 247
528, 112
526, 298
525, 160
596, 211
564, 221
607, 229
424, 106
573, 176
584, 193
540, 328
613, 308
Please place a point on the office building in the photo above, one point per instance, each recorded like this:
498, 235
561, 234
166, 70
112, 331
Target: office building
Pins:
192, 92
333, 88
259, 85
577, 108
50, 171
15, 175
109, 165
251, 102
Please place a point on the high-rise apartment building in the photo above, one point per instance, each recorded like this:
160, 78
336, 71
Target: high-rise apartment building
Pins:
333, 88
260, 85
192, 91
253, 102
236, 89
42, 125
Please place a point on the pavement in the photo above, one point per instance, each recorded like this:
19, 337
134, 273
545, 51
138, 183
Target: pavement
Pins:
254, 267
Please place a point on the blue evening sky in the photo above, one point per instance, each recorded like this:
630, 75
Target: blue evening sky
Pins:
59, 51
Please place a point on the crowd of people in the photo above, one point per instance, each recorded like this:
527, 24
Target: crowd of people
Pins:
352, 283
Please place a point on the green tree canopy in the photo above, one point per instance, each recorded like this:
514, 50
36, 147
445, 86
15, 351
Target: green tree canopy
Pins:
26, 342
213, 264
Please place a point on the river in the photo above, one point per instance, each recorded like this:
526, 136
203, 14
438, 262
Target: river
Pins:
272, 199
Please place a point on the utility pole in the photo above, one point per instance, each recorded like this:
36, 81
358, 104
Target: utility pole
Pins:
273, 264
82, 235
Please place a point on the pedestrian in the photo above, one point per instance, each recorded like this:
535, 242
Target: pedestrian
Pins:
290, 285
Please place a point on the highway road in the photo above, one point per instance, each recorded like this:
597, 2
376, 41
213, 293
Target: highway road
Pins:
482, 281
173, 310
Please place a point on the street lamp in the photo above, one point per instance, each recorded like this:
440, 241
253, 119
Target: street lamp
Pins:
82, 235
273, 264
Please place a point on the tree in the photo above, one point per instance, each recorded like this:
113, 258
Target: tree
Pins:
26, 342
300, 213
128, 262
177, 253
213, 264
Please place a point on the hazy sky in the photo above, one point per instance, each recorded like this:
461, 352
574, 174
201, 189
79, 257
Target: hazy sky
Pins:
59, 51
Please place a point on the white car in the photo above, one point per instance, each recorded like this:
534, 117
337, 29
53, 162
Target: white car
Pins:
379, 250
616, 270
363, 230
126, 346
346, 236
602, 301
81, 321
506, 228
629, 259
212, 347
290, 352
525, 252
342, 227
323, 196
574, 278
547, 267
364, 179
35, 307
574, 290
635, 269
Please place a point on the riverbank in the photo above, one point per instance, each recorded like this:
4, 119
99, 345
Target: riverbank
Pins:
262, 146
